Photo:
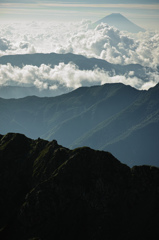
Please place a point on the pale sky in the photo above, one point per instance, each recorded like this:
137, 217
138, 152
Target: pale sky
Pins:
144, 13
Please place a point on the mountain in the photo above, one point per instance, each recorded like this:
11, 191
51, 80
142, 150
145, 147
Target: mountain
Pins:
122, 23
52, 59
8, 92
83, 63
51, 192
130, 131
111, 117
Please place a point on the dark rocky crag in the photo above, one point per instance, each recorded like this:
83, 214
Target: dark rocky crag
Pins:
51, 192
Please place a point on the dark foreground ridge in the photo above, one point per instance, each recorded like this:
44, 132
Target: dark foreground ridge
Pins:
50, 192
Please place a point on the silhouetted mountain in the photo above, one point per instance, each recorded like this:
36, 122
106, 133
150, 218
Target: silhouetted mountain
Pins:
110, 117
122, 23
52, 59
51, 192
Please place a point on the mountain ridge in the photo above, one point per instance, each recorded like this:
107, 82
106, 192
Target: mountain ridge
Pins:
50, 191
52, 59
99, 117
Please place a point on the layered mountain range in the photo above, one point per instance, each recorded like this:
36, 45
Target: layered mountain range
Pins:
53, 59
58, 179
111, 117
51, 192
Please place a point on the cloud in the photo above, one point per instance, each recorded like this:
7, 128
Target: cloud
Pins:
110, 44
103, 42
67, 77
146, 4
4, 44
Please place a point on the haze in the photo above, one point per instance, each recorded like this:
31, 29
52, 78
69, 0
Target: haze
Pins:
144, 13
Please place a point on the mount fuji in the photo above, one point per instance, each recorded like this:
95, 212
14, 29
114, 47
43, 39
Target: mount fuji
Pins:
122, 23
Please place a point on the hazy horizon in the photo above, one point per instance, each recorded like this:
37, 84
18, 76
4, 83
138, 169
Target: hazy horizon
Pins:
143, 13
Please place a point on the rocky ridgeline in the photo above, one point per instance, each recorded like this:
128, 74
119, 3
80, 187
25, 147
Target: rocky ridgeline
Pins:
50, 192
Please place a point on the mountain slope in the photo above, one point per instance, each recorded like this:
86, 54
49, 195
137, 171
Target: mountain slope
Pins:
38, 116
122, 23
48, 191
132, 131
101, 117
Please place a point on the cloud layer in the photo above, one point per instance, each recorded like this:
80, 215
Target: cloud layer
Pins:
103, 42
67, 77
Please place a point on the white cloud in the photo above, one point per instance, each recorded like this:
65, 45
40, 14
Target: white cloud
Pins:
4, 44
103, 42
67, 76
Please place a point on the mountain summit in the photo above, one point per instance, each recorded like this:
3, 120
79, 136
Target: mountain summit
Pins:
122, 23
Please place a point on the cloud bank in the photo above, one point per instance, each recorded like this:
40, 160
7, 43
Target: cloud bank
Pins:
67, 76
103, 42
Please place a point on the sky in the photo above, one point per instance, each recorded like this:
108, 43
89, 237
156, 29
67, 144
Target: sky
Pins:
142, 12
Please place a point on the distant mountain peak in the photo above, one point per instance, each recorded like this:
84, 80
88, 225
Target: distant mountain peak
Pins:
117, 14
122, 23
